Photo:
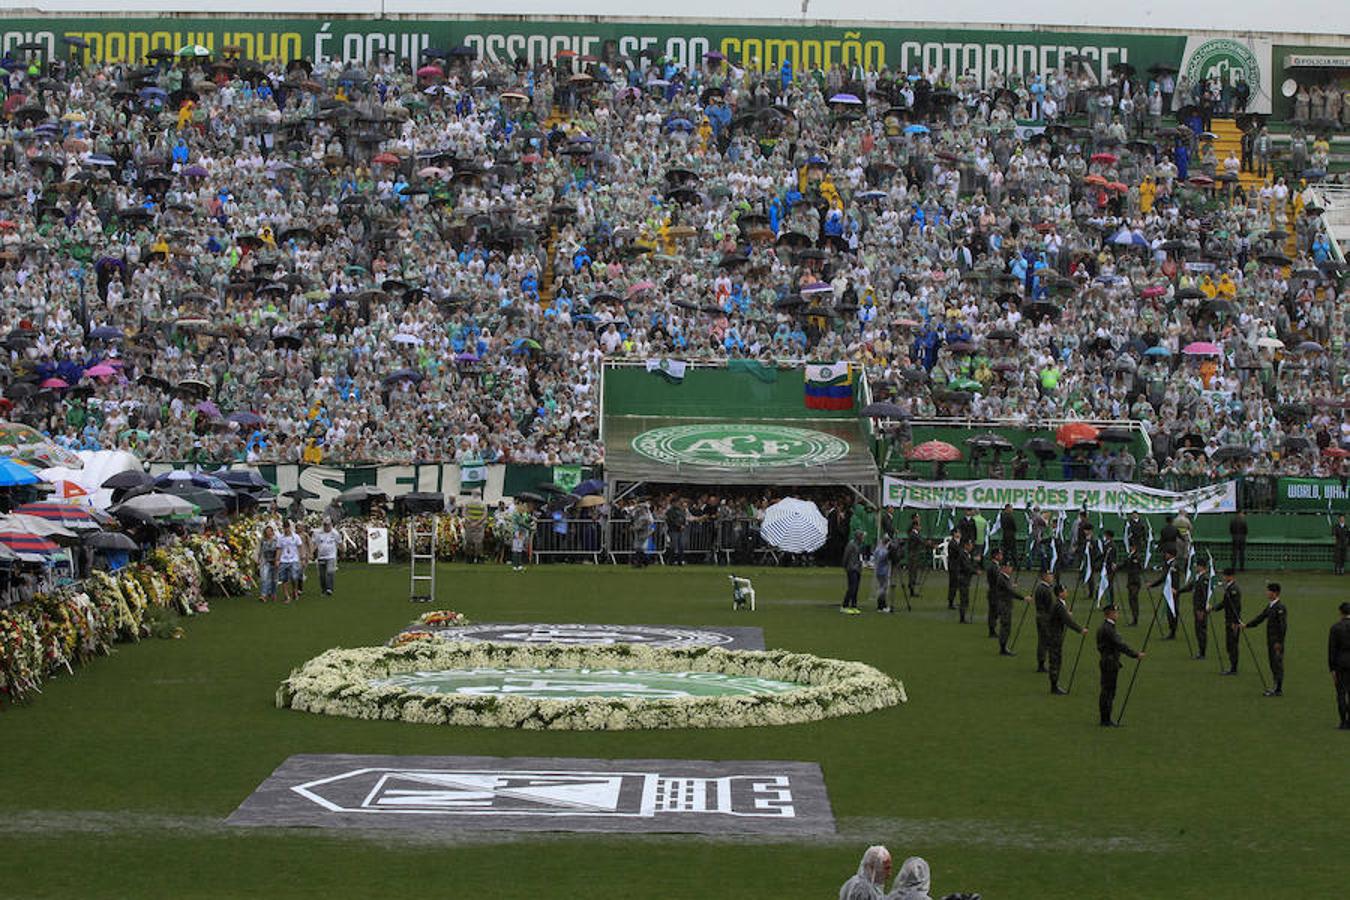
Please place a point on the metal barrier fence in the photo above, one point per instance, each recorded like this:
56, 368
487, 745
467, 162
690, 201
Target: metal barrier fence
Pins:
614, 540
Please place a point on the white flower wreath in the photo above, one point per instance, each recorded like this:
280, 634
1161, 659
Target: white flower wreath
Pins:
341, 682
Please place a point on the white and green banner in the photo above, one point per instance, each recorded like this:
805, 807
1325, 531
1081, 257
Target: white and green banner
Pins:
1231, 58
1094, 496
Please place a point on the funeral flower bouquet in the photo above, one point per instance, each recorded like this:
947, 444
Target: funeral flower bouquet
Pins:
345, 682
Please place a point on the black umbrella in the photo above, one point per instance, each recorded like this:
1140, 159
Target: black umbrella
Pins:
529, 497
122, 481
109, 540
1002, 334
1230, 452
1190, 293
989, 441
549, 487
1042, 448
362, 493
884, 410
1115, 435
1296, 445
243, 479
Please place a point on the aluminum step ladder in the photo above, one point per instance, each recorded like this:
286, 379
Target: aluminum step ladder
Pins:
422, 559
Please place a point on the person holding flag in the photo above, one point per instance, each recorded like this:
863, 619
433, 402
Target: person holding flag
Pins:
993, 568
1007, 530
1134, 534
1199, 587
1276, 617
1006, 592
1134, 580
1059, 619
1044, 597
1170, 581
1340, 536
1106, 579
916, 548
1231, 604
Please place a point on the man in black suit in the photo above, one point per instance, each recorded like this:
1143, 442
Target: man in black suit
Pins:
1237, 536
1198, 587
966, 569
1338, 658
1060, 619
1340, 535
1044, 597
1135, 534
1276, 617
953, 567
1107, 562
1006, 591
1168, 537
916, 547
1110, 645
1231, 604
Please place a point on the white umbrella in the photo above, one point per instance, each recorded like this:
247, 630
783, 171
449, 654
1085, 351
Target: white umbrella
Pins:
160, 506
1270, 343
796, 526
34, 525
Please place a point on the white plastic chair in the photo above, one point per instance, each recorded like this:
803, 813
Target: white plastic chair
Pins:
940, 555
742, 592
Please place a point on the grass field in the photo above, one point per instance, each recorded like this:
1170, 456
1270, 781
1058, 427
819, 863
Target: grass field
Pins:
114, 782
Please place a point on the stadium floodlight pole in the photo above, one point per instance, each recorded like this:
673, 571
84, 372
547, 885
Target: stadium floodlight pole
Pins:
1256, 660
1137, 663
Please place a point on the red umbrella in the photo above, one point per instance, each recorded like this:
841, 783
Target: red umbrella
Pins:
386, 159
1155, 290
1106, 158
28, 545
1096, 179
1075, 433
430, 72
1336, 453
56, 383
934, 451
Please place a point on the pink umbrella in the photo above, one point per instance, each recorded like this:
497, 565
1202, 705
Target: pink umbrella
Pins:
1152, 291
640, 287
54, 383
430, 72
102, 370
1201, 348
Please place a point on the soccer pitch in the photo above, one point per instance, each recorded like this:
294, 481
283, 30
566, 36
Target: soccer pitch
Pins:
116, 781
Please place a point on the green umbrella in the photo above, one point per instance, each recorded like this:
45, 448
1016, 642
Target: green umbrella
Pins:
965, 384
194, 50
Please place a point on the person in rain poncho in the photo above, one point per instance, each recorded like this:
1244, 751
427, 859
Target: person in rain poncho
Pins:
913, 882
870, 882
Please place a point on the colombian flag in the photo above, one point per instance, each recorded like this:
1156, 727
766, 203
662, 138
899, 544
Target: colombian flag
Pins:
829, 386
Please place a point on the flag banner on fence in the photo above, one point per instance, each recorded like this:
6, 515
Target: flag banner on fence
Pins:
567, 477
1096, 496
472, 474
829, 386
672, 369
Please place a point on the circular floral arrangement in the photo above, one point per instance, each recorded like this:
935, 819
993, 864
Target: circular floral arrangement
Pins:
374, 683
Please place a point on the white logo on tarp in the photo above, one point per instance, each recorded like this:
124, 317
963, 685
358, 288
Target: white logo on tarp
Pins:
480, 792
585, 634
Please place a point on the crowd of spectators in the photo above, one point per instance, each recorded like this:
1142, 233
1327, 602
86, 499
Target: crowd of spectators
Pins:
230, 261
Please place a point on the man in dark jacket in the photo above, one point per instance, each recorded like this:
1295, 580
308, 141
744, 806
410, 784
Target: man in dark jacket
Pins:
992, 568
1060, 619
965, 570
1231, 604
852, 574
1340, 536
1134, 580
916, 547
1276, 617
1044, 598
1198, 587
677, 519
1007, 530
1169, 536
1006, 591
953, 567
1338, 658
1110, 645
1135, 534
1237, 536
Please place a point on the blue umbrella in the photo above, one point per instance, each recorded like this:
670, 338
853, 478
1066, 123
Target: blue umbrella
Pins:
916, 129
245, 418
13, 472
1157, 351
679, 125
106, 333
152, 92
590, 486
847, 99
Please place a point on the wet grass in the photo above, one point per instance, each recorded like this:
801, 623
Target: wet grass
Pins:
115, 781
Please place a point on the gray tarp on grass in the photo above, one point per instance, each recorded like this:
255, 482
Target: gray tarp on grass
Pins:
726, 637
450, 794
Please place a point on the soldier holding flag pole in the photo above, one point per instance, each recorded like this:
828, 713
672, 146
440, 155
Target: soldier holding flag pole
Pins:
1198, 587
1110, 645
1231, 604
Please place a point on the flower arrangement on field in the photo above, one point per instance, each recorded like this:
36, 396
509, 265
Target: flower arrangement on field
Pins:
443, 617
220, 566
408, 637
341, 682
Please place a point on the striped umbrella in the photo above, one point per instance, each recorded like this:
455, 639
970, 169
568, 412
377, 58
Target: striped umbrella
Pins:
67, 514
795, 526
28, 547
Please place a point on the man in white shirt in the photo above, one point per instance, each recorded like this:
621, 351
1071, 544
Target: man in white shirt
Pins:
325, 553
288, 562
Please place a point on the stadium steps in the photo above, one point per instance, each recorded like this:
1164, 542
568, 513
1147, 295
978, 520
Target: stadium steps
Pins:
1229, 137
